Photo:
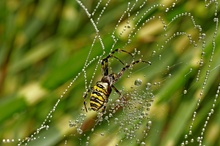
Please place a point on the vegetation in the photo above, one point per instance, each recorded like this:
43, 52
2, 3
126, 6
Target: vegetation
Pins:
50, 54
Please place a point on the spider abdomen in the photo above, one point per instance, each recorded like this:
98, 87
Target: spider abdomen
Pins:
99, 95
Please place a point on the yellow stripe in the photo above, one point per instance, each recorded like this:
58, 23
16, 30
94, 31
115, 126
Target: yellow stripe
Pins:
99, 97
99, 89
96, 103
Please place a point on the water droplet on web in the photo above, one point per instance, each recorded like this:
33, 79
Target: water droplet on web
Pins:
169, 75
153, 53
149, 123
160, 57
199, 139
148, 86
215, 19
79, 131
47, 127
185, 92
137, 82
106, 118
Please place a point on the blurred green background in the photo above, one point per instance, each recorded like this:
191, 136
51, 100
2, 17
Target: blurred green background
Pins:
44, 44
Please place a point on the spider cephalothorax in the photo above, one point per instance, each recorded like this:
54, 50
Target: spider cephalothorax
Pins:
102, 90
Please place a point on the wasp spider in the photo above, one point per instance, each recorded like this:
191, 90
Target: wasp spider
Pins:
103, 88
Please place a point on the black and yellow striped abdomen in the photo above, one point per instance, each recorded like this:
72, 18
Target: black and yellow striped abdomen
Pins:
99, 95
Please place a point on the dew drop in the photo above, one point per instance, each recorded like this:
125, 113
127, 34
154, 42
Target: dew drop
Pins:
137, 82
198, 139
149, 123
169, 75
148, 85
215, 19
154, 52
185, 92
71, 124
160, 57
79, 131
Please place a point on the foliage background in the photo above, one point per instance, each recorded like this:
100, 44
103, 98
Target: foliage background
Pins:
43, 46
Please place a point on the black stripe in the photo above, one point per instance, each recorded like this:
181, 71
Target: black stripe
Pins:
100, 86
103, 88
100, 91
94, 106
103, 96
97, 93
95, 99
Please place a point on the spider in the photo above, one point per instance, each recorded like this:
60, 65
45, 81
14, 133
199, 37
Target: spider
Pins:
103, 88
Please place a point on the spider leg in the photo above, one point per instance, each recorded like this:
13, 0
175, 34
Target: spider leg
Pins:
103, 109
119, 50
129, 66
119, 93
84, 96
105, 66
122, 98
105, 60
116, 90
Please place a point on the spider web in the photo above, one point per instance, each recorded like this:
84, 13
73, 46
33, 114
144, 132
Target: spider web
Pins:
183, 72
